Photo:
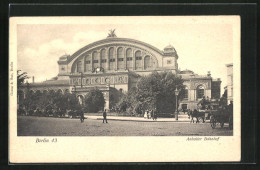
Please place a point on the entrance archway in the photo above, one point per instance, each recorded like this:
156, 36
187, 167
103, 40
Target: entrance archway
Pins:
81, 99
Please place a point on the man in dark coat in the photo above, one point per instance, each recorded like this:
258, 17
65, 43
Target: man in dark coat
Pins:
155, 114
104, 116
152, 116
81, 114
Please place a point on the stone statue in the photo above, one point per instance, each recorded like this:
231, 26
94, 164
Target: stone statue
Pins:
112, 33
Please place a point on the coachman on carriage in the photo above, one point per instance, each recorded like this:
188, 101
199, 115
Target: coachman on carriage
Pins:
218, 112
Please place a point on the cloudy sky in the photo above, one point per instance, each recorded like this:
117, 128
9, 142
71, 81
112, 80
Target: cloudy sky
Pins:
202, 43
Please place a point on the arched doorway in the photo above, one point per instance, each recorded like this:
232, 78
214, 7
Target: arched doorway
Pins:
81, 99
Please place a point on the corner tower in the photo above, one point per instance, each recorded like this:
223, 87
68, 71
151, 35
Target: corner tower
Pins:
170, 58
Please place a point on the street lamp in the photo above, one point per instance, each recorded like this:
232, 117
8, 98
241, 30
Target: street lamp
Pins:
176, 110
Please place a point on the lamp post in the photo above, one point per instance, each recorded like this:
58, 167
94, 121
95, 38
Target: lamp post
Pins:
176, 110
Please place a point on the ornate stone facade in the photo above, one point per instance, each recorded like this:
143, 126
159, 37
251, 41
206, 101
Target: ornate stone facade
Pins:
118, 63
229, 82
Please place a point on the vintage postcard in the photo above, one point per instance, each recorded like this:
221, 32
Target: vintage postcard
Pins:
124, 89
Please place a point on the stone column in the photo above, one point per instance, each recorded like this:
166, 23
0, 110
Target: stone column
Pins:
92, 60
99, 56
142, 55
116, 58
107, 57
124, 53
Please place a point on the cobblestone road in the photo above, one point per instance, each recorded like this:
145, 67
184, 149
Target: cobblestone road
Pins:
49, 126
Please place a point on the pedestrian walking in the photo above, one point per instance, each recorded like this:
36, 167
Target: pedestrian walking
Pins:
152, 114
155, 114
81, 116
148, 114
104, 116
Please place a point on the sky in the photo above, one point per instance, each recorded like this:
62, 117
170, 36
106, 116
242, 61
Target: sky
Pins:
202, 43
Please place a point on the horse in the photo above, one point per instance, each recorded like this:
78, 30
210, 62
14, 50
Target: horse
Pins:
196, 114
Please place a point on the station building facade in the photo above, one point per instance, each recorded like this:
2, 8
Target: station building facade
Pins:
118, 63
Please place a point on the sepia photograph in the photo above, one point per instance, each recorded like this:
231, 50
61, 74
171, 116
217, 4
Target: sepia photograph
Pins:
153, 76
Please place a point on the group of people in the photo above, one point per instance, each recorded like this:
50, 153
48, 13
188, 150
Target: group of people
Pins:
150, 114
42, 112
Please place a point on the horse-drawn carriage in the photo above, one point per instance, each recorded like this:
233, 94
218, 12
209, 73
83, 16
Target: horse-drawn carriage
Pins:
219, 113
221, 116
215, 111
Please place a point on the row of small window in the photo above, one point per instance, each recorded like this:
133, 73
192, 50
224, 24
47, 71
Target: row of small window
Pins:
113, 60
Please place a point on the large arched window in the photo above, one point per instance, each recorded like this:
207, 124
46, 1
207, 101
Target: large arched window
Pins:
147, 62
186, 92
95, 59
88, 63
79, 66
103, 58
120, 58
200, 91
129, 58
111, 59
138, 60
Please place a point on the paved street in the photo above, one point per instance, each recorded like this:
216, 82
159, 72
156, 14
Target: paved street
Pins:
49, 126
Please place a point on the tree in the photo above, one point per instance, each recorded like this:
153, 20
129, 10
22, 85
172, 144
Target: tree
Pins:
155, 91
114, 97
73, 102
21, 77
95, 101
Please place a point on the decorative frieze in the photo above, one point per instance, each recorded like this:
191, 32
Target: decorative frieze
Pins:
99, 80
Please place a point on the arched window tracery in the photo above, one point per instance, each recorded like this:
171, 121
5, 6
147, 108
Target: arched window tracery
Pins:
103, 58
147, 62
95, 59
138, 60
111, 58
79, 66
120, 58
88, 63
200, 91
129, 58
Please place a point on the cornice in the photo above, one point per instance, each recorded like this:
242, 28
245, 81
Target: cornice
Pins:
111, 40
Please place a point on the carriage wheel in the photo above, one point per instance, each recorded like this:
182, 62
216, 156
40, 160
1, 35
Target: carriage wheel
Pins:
213, 123
222, 124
